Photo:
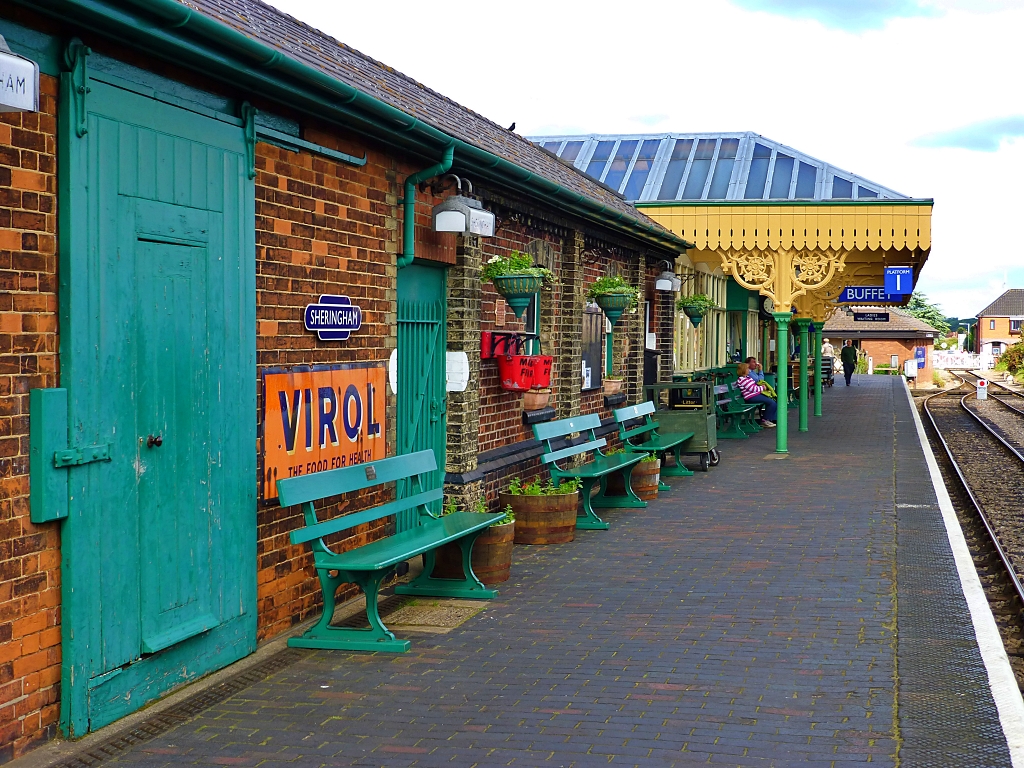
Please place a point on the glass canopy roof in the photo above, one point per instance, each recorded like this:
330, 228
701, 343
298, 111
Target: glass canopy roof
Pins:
709, 166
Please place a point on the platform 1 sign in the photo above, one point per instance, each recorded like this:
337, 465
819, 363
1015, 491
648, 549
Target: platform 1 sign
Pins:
899, 280
867, 294
320, 418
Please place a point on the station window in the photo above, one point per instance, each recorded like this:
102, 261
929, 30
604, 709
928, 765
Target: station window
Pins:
620, 164
805, 180
699, 169
991, 325
758, 175
572, 149
1015, 325
599, 159
782, 177
842, 189
676, 167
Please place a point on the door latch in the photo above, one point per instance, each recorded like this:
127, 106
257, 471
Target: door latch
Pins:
72, 457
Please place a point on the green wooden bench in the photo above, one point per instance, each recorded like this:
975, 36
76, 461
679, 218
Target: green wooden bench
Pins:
553, 433
652, 440
371, 564
736, 415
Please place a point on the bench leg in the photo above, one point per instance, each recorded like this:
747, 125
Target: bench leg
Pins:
588, 521
730, 430
629, 501
376, 638
467, 587
679, 470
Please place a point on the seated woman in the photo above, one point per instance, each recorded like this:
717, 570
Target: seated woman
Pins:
752, 394
757, 374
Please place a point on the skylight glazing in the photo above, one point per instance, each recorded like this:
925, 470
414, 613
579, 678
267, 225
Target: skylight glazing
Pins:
709, 166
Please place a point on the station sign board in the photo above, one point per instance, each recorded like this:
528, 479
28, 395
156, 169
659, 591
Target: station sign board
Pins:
333, 318
871, 317
320, 418
899, 280
867, 294
19, 82
919, 355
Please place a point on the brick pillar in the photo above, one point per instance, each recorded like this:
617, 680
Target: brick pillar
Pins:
666, 329
633, 335
569, 350
464, 336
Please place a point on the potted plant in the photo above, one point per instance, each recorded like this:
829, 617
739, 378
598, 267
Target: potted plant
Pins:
545, 514
644, 480
535, 399
516, 278
492, 551
696, 306
614, 296
612, 385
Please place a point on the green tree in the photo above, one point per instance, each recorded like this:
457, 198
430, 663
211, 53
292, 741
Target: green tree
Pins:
923, 309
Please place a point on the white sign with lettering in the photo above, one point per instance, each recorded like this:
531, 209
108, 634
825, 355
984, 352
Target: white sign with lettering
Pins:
19, 82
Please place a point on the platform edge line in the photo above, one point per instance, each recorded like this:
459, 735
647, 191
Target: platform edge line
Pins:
1002, 682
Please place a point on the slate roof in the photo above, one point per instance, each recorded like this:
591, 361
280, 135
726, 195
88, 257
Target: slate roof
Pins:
899, 323
1010, 304
314, 48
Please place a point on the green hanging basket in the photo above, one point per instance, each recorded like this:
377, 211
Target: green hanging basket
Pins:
614, 304
518, 290
696, 314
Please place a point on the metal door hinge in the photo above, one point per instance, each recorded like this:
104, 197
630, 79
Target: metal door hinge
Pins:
75, 61
72, 457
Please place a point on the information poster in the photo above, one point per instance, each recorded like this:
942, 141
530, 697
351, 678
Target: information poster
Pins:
319, 419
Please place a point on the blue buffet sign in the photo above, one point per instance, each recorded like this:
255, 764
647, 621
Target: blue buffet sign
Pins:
899, 280
333, 318
867, 294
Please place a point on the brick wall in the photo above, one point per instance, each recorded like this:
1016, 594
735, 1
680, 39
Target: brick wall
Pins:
882, 349
29, 554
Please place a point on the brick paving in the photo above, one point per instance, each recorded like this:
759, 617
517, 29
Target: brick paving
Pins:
727, 624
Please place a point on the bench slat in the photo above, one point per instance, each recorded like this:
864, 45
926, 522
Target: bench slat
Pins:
603, 465
633, 411
552, 429
641, 430
327, 527
401, 546
299, 490
573, 451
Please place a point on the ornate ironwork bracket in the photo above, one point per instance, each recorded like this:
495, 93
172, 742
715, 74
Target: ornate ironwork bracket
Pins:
75, 59
249, 127
782, 274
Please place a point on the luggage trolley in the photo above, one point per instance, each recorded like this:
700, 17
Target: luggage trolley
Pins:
688, 406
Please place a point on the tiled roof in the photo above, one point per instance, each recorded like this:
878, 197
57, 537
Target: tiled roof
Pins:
899, 321
313, 48
1010, 304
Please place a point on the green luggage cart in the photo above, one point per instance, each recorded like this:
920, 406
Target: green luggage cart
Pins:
688, 406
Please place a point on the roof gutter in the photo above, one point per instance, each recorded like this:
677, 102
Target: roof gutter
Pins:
183, 35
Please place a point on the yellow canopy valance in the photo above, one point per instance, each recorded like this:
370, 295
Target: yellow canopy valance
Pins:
846, 225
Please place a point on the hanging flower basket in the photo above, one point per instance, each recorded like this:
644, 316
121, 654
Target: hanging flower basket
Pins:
696, 306
518, 290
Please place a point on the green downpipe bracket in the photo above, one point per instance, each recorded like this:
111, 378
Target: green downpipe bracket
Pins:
818, 389
766, 333
803, 325
782, 345
609, 348
409, 204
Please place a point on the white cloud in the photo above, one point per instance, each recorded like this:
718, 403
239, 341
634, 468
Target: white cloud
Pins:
855, 99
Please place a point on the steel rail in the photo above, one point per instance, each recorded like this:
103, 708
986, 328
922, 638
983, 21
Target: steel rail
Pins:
1014, 579
1015, 395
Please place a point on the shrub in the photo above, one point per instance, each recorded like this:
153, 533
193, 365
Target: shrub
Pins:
1014, 357
515, 263
534, 487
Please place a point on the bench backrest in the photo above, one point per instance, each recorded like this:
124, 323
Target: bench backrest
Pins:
306, 489
552, 431
632, 412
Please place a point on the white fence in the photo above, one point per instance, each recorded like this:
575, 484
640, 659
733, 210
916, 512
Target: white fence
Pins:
967, 360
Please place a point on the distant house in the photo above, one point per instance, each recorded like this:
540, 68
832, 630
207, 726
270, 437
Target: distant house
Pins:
888, 342
999, 323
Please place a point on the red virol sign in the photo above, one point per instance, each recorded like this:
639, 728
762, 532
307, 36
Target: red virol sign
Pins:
319, 419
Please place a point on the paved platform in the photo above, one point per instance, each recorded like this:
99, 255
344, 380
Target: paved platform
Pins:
727, 624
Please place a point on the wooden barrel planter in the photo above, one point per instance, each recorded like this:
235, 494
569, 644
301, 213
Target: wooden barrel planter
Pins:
543, 519
492, 556
644, 480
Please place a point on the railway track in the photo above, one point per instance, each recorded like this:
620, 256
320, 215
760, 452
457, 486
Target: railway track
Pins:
984, 472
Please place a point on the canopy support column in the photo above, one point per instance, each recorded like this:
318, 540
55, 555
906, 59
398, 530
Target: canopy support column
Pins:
818, 388
781, 345
803, 325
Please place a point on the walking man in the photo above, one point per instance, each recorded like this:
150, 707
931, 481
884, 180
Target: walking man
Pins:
848, 354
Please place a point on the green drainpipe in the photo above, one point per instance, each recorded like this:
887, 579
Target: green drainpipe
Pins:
409, 203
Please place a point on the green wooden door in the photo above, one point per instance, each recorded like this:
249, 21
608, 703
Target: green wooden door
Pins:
158, 356
422, 340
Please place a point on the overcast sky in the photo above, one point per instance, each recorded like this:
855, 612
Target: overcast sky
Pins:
922, 96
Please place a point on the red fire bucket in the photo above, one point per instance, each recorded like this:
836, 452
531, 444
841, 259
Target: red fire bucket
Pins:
515, 372
542, 370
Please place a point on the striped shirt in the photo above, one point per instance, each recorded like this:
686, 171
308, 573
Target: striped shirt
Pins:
748, 387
